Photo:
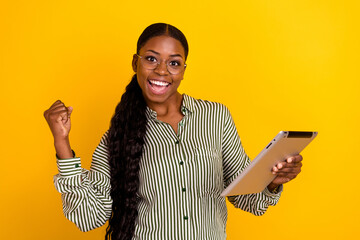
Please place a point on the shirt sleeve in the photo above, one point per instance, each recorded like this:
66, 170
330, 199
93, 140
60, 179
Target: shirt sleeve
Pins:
235, 160
85, 193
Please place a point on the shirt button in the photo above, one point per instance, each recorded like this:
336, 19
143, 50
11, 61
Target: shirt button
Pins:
177, 142
181, 124
77, 165
186, 218
183, 189
181, 163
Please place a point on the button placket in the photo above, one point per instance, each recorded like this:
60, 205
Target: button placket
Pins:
183, 182
182, 169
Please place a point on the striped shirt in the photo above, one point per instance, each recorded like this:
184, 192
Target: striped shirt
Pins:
181, 178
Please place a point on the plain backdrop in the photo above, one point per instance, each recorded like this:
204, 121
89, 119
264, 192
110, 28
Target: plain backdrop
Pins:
277, 65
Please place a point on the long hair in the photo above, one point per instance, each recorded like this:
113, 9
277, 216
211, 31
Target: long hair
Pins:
126, 140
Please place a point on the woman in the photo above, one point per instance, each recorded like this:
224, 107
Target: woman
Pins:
159, 170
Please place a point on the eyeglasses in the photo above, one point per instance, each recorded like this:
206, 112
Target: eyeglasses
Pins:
174, 66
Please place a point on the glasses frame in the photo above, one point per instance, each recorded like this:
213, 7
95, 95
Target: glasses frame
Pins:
167, 66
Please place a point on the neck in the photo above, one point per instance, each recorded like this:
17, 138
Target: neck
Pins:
169, 107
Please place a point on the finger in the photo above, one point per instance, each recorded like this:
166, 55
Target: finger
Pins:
59, 112
56, 103
54, 106
58, 107
53, 109
287, 175
63, 117
294, 159
278, 167
70, 110
290, 165
281, 165
55, 113
289, 170
57, 116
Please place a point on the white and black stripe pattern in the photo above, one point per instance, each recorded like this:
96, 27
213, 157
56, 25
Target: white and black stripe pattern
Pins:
181, 178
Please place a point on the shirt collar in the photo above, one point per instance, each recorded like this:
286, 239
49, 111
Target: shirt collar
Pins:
187, 106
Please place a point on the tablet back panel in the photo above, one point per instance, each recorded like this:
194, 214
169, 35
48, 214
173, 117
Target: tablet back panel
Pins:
258, 174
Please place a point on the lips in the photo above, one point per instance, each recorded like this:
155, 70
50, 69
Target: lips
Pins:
158, 87
159, 83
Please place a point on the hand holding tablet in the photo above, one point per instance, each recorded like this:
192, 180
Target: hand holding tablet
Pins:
259, 174
285, 171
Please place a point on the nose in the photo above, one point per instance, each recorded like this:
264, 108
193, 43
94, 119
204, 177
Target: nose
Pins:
161, 68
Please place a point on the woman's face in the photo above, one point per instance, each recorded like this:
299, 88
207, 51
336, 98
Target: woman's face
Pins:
159, 85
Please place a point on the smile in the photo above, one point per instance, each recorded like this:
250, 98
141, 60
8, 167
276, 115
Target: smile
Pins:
158, 87
159, 83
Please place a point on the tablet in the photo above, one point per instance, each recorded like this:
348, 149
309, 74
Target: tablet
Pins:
257, 176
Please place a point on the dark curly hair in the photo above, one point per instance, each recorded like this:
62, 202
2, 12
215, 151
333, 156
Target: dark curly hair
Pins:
126, 140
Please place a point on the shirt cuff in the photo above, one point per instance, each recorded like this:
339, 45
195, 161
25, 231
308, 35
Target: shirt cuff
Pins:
270, 194
69, 167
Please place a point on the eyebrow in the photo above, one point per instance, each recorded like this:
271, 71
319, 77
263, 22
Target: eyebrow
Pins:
173, 55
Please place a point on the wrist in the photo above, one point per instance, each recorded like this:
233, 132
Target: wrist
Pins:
73, 155
63, 149
273, 187
61, 139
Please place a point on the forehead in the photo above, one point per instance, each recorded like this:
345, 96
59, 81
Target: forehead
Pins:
164, 45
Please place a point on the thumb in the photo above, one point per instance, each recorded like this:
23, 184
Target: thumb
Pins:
70, 109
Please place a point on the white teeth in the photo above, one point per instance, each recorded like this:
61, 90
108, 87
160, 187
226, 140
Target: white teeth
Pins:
159, 83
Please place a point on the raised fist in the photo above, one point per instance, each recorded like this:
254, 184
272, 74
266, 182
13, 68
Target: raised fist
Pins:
58, 118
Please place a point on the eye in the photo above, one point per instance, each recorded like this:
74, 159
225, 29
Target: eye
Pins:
151, 59
174, 63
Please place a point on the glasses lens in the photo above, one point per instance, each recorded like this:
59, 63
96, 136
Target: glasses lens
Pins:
149, 62
174, 66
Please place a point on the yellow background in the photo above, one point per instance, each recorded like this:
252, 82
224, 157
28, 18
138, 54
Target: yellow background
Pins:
277, 65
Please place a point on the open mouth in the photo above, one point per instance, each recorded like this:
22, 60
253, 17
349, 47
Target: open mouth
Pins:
158, 87
158, 83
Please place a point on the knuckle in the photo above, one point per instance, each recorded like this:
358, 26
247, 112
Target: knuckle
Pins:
53, 116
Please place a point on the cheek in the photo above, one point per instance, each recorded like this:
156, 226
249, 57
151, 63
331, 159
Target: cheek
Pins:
177, 79
142, 74
142, 77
